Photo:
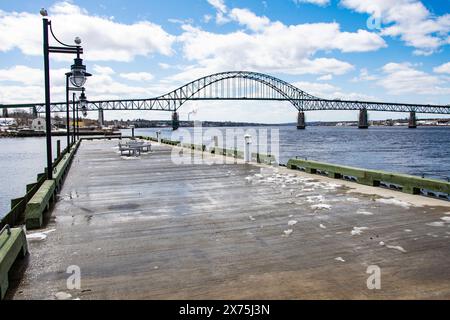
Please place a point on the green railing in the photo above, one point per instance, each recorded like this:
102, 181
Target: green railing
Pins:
16, 215
401, 182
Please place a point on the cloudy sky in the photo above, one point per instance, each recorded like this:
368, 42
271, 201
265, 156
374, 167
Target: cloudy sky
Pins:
384, 50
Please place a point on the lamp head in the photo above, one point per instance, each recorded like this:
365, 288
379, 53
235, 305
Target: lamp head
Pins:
77, 40
43, 12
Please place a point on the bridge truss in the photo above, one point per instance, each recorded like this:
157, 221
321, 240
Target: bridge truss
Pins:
240, 85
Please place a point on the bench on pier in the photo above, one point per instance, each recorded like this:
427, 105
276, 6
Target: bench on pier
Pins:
134, 147
40, 203
13, 244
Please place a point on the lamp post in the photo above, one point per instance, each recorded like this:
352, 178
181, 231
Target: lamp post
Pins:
78, 76
69, 76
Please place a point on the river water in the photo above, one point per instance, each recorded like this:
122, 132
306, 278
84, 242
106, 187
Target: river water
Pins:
422, 151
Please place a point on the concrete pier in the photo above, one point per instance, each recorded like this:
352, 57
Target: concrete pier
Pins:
175, 121
412, 123
147, 228
363, 122
5, 113
301, 124
101, 117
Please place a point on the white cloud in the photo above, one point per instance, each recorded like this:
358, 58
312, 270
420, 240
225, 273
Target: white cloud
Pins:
137, 76
316, 2
444, 68
276, 47
249, 19
103, 39
364, 76
403, 78
326, 77
408, 19
102, 70
219, 5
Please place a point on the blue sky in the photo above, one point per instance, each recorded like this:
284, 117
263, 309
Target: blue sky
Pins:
396, 50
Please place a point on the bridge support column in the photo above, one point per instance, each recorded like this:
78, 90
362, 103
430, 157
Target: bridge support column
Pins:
301, 124
363, 122
34, 112
5, 113
175, 121
101, 118
412, 123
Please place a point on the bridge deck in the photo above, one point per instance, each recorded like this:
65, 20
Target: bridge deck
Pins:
150, 229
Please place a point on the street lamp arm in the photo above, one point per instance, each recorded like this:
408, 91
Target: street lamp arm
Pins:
57, 40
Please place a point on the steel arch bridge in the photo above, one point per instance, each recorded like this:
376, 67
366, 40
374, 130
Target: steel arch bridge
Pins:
240, 85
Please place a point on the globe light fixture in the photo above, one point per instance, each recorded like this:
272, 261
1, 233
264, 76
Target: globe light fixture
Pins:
78, 70
83, 104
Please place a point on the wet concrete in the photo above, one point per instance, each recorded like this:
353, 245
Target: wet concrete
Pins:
146, 228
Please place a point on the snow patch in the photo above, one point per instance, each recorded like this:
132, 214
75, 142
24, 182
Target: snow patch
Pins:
397, 248
292, 222
321, 206
358, 230
394, 201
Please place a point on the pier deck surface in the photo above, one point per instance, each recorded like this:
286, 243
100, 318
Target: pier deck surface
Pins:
147, 228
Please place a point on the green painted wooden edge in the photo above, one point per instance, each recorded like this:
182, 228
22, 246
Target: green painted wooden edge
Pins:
409, 184
39, 204
11, 247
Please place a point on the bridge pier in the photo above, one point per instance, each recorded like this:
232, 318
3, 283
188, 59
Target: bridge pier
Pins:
363, 122
175, 121
34, 112
301, 124
101, 118
5, 113
412, 123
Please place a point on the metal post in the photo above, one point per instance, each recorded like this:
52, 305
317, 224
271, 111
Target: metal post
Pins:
73, 117
48, 120
67, 113
158, 136
248, 142
132, 131
58, 148
78, 123
5, 113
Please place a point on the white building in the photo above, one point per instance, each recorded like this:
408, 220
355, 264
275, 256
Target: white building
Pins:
38, 124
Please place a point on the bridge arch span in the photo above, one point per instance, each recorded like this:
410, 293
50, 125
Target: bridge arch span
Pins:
238, 85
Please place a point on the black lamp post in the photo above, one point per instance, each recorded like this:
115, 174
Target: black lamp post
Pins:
77, 77
72, 79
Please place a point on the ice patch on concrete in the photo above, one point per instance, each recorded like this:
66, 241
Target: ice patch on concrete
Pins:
397, 248
312, 199
322, 226
364, 212
63, 295
436, 224
395, 202
321, 206
407, 230
339, 259
288, 232
352, 199
446, 219
39, 236
292, 222
251, 218
358, 230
